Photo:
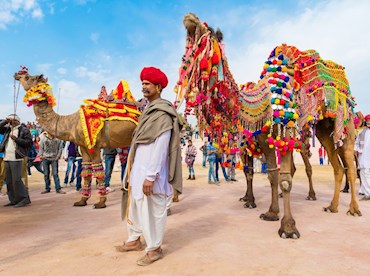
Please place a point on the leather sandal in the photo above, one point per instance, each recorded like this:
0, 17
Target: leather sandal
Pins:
127, 248
146, 260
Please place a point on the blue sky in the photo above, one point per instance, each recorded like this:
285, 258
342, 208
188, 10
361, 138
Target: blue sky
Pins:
81, 45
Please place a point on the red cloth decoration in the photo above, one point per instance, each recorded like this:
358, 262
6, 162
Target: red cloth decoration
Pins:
203, 64
367, 117
215, 59
154, 75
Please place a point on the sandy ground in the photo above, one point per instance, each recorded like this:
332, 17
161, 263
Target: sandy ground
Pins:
208, 233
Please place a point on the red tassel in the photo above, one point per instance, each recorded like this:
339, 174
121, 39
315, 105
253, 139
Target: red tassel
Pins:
215, 59
91, 150
203, 64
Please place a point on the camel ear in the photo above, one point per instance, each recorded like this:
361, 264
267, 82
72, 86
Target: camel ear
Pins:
41, 78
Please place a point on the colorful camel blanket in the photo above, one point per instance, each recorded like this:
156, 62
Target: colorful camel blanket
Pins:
95, 113
322, 81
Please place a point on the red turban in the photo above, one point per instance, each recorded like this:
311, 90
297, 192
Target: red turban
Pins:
154, 75
367, 117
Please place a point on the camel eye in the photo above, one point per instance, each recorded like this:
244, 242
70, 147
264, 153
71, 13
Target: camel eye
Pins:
27, 77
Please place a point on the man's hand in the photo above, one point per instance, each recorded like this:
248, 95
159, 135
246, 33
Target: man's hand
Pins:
148, 187
13, 137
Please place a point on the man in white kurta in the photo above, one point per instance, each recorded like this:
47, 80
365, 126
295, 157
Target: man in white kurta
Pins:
155, 159
362, 149
151, 163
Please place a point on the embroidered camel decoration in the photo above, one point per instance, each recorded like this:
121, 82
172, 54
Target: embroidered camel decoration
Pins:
95, 126
274, 116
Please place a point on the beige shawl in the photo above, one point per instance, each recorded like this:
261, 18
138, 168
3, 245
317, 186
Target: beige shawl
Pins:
157, 118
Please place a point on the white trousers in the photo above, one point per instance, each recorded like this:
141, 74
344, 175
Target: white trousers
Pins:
365, 182
147, 216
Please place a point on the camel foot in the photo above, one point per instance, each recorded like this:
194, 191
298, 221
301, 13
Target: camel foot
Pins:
330, 209
250, 205
311, 197
101, 203
355, 214
82, 202
284, 235
269, 216
288, 229
244, 199
354, 210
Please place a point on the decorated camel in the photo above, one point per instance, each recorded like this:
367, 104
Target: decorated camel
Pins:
97, 124
298, 93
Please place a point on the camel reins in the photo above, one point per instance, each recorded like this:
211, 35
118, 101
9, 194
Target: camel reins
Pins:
15, 100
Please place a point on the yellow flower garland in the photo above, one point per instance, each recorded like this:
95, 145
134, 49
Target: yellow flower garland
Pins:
38, 93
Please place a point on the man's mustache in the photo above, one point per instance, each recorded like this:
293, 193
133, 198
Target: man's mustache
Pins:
144, 90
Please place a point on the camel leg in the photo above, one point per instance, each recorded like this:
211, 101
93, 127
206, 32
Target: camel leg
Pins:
287, 228
98, 172
244, 159
323, 135
346, 185
347, 151
307, 164
86, 174
248, 172
293, 169
273, 175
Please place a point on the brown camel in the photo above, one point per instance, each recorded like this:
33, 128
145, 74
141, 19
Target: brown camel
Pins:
208, 86
114, 134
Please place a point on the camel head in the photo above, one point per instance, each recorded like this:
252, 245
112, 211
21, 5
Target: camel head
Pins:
199, 38
37, 88
28, 81
193, 25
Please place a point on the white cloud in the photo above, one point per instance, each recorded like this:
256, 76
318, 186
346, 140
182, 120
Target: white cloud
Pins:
37, 13
94, 37
68, 95
62, 71
14, 10
43, 68
96, 76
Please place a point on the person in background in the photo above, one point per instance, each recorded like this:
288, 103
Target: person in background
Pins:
51, 149
219, 161
109, 155
196, 132
211, 155
33, 160
232, 160
69, 155
190, 153
123, 155
362, 151
17, 141
79, 169
264, 167
203, 149
321, 155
